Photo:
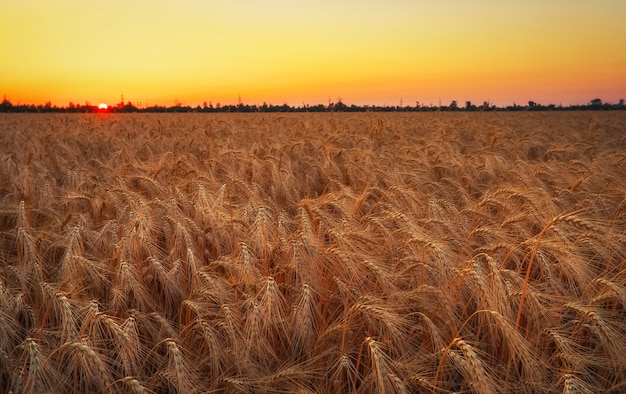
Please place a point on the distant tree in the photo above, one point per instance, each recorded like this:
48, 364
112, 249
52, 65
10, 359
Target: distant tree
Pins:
6, 105
595, 104
339, 105
128, 107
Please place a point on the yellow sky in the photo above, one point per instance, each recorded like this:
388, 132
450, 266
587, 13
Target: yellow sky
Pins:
366, 52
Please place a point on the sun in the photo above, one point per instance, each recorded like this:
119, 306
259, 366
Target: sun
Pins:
102, 106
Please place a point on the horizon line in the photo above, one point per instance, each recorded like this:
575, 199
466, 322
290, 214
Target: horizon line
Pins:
141, 104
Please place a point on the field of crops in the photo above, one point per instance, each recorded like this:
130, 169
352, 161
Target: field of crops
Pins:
313, 253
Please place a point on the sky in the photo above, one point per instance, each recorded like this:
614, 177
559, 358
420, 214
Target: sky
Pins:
162, 52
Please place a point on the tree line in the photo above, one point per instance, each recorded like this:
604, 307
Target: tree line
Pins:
338, 106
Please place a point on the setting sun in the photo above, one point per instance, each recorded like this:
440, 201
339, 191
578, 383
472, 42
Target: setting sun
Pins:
103, 106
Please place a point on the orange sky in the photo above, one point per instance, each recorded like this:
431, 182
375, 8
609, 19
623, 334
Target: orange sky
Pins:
366, 52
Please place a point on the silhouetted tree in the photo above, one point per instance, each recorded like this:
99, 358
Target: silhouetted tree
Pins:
339, 105
596, 103
6, 105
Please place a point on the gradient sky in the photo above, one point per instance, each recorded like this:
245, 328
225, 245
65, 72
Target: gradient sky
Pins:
366, 52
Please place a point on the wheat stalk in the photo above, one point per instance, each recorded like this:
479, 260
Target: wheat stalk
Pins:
310, 252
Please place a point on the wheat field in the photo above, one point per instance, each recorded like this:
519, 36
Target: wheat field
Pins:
313, 253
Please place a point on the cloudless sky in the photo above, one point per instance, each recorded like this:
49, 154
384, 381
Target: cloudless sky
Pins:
280, 51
